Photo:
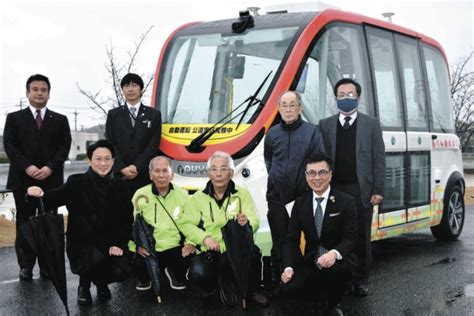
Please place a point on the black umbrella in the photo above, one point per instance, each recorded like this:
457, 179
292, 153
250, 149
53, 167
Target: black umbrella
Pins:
143, 237
44, 232
239, 244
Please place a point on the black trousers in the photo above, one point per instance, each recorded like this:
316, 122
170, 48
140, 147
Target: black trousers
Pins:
104, 269
278, 220
170, 259
24, 210
361, 260
323, 285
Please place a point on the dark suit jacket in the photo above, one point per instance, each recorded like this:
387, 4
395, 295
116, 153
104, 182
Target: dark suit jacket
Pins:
95, 220
370, 153
27, 145
134, 145
339, 230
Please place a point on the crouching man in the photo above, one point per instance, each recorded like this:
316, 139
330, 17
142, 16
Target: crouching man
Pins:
205, 214
328, 219
161, 204
99, 222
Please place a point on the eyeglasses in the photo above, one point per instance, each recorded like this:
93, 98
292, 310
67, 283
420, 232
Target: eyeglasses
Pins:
350, 95
216, 170
290, 106
313, 173
103, 159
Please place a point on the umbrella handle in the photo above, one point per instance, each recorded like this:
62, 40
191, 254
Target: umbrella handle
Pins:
41, 206
141, 196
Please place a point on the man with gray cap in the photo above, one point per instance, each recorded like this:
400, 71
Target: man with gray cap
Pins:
135, 131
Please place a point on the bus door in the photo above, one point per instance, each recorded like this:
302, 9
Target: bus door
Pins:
401, 102
388, 100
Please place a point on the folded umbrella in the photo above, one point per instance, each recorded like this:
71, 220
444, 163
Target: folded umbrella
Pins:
239, 244
44, 232
143, 237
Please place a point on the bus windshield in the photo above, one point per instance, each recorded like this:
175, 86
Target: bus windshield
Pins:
206, 76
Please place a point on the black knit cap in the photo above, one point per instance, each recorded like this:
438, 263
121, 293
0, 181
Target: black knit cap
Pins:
129, 78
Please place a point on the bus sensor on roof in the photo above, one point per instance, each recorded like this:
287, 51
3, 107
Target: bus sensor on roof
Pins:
245, 22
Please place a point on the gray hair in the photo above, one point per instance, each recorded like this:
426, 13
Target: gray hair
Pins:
152, 162
221, 154
297, 95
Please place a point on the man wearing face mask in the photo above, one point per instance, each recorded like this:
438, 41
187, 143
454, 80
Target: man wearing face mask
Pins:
354, 142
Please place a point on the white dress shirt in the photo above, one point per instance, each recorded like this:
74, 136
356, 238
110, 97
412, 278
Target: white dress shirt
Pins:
342, 117
136, 106
33, 111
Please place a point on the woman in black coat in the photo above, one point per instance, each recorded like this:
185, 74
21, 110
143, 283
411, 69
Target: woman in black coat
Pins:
99, 222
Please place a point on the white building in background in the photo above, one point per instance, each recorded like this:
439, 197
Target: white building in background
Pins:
80, 141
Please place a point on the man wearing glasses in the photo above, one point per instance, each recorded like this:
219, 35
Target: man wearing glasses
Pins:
354, 142
287, 145
327, 217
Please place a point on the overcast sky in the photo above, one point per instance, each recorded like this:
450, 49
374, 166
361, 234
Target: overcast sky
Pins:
65, 40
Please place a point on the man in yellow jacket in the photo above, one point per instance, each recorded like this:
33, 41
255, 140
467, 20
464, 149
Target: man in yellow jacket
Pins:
161, 204
205, 214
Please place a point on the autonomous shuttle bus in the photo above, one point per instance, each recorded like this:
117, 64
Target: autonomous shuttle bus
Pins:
217, 85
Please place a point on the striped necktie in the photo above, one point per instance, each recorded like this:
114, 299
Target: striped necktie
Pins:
133, 115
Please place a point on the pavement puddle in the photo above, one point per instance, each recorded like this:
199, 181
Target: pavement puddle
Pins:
469, 290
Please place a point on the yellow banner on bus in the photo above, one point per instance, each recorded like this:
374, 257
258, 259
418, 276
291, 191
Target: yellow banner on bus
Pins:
184, 133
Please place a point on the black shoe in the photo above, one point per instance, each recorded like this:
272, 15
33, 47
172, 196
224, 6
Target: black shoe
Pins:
44, 275
143, 286
26, 274
84, 296
361, 290
260, 299
336, 310
209, 295
103, 292
174, 283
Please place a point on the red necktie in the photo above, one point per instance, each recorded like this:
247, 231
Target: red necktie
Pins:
39, 120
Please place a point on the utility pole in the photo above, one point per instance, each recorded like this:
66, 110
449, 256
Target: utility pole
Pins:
21, 104
75, 119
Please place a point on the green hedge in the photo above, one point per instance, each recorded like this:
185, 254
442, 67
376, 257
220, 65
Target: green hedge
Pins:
81, 156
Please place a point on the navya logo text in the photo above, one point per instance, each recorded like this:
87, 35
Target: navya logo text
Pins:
190, 169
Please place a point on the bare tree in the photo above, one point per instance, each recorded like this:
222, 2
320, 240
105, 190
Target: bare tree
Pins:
116, 70
462, 94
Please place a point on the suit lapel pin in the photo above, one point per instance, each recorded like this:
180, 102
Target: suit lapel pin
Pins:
332, 198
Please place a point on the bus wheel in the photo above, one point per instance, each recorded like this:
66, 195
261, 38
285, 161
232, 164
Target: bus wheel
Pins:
453, 216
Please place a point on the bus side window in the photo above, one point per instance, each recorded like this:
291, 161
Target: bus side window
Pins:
438, 83
412, 80
338, 53
386, 80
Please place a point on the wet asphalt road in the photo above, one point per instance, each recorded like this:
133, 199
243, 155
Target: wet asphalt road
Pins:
412, 275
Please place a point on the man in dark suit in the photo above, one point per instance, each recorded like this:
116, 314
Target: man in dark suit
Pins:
37, 142
328, 219
135, 132
354, 142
